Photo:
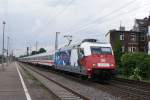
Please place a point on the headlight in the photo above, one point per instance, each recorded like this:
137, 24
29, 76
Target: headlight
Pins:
94, 65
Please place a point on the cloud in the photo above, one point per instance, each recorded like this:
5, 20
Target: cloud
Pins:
29, 21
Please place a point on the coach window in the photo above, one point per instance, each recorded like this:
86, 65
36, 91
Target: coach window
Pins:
49, 57
123, 49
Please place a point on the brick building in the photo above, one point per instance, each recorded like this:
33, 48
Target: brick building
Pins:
140, 25
143, 25
131, 41
148, 35
135, 40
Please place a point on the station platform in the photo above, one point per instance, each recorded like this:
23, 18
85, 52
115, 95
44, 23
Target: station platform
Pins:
11, 86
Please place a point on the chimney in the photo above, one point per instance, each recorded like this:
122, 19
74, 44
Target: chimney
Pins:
122, 28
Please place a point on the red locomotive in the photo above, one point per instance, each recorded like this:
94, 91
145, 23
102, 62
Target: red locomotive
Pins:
88, 58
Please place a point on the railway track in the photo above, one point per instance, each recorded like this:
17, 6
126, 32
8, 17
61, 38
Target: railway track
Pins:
134, 83
125, 89
61, 91
136, 88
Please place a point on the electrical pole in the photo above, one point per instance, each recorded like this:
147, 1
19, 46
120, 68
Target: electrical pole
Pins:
27, 51
69, 38
56, 40
36, 44
3, 45
7, 50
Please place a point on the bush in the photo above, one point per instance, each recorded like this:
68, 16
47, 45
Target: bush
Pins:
136, 65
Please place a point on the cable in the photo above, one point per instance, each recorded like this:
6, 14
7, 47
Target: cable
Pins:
108, 20
62, 11
110, 14
104, 5
59, 13
83, 28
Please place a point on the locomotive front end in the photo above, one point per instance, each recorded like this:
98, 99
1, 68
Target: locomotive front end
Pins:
99, 60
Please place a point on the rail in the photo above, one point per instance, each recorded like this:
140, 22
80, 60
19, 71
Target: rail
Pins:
73, 94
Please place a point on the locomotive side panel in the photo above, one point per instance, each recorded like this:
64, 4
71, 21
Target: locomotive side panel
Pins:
67, 60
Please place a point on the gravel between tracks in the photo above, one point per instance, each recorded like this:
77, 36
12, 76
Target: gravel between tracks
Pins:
83, 89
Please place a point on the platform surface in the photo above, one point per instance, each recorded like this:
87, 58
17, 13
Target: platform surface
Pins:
10, 83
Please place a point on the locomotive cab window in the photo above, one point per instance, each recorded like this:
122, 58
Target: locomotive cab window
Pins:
101, 50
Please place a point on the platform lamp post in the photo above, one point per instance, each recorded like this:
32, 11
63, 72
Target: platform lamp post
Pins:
3, 45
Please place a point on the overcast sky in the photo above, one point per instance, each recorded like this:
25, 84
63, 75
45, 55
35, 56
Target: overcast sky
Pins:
28, 21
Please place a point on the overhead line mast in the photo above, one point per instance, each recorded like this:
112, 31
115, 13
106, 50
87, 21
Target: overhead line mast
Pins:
56, 40
69, 38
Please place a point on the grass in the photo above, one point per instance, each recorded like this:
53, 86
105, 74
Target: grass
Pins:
125, 77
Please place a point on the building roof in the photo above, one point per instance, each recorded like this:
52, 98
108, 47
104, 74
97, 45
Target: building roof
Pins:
118, 31
145, 21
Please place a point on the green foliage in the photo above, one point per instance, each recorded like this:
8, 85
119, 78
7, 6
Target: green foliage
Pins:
41, 50
117, 52
34, 52
136, 65
136, 74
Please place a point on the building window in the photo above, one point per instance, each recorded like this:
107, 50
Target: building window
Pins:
121, 36
123, 49
129, 49
142, 38
132, 37
132, 49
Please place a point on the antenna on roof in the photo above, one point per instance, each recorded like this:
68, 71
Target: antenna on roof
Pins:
120, 23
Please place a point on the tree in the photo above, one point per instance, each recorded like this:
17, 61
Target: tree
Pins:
42, 50
33, 52
117, 52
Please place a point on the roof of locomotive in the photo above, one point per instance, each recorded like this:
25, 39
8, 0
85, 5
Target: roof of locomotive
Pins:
85, 42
